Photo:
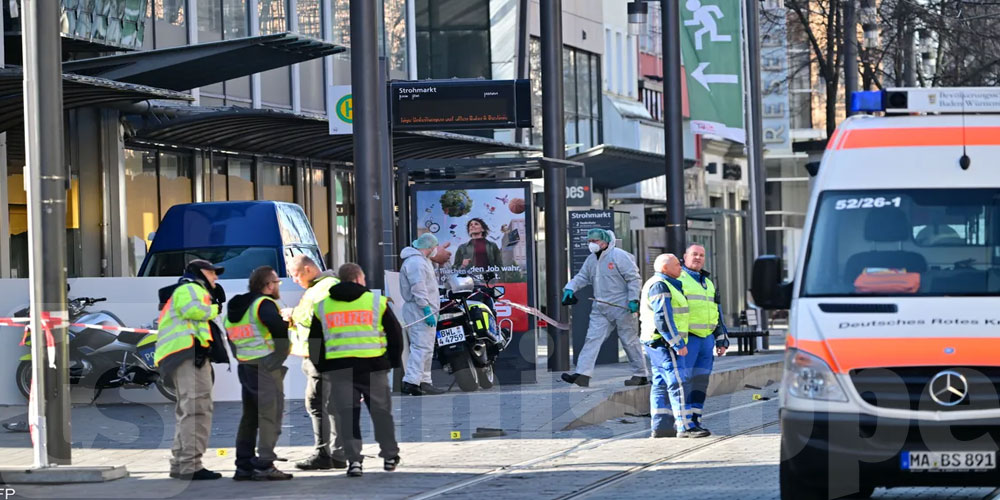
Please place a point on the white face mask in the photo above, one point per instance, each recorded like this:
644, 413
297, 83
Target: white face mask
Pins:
594, 247
433, 253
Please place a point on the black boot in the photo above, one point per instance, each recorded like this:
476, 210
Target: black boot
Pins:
317, 462
411, 389
430, 389
576, 378
637, 381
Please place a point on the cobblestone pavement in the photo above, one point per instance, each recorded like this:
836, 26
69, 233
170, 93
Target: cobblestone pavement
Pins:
534, 460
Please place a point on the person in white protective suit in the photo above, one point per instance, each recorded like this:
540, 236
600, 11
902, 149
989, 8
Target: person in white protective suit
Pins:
616, 281
421, 301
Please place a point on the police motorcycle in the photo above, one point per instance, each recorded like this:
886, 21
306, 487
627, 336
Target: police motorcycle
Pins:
99, 358
469, 337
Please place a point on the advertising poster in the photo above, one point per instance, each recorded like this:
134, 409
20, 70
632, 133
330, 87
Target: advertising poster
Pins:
488, 228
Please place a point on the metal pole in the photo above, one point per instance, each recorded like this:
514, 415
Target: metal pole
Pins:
554, 146
43, 131
522, 52
755, 139
850, 51
365, 88
411, 39
385, 169
673, 133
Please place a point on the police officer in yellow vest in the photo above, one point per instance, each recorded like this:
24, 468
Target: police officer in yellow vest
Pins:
707, 329
355, 341
328, 446
663, 325
259, 339
182, 347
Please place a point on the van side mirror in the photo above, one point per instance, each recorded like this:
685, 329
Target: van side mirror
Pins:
768, 291
151, 236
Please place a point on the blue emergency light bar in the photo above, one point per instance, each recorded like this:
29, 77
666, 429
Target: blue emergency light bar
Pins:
868, 101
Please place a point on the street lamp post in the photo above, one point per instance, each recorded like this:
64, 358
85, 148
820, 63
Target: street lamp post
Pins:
47, 185
554, 148
673, 136
364, 87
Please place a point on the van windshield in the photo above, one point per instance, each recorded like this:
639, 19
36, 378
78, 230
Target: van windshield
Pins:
238, 261
917, 242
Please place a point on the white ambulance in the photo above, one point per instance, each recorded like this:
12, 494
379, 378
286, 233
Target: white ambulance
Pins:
892, 371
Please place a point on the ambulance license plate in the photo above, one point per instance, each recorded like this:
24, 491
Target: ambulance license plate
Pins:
451, 335
948, 460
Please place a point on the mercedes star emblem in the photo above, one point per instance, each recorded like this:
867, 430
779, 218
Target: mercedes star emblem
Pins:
948, 388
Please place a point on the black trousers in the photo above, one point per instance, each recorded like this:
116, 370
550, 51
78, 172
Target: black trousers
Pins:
343, 390
263, 406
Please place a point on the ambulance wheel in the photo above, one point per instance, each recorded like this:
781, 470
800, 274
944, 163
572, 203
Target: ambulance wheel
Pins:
465, 373
486, 376
23, 378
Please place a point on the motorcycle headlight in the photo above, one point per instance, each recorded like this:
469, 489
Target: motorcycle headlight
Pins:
809, 377
447, 316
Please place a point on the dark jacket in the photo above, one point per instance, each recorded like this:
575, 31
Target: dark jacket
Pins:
467, 250
216, 350
393, 357
271, 317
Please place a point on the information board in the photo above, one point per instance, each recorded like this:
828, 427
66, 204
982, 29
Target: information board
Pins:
460, 104
579, 223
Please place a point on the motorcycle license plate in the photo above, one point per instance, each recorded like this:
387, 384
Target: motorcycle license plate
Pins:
948, 460
451, 335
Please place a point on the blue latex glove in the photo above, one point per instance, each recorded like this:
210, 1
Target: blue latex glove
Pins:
429, 320
633, 306
567, 298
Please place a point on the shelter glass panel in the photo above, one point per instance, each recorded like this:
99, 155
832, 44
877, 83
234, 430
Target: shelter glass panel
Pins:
176, 174
319, 208
218, 190
241, 186
142, 213
276, 180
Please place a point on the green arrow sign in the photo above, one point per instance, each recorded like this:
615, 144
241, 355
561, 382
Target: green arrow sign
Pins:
711, 52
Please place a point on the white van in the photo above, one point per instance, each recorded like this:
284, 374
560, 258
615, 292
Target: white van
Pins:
892, 372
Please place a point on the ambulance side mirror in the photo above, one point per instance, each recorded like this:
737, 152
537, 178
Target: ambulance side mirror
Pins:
768, 291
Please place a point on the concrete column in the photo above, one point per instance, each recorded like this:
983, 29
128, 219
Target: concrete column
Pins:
116, 242
253, 8
85, 156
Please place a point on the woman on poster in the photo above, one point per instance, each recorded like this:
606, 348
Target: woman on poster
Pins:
478, 252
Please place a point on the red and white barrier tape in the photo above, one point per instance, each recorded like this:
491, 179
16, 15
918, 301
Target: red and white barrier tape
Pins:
57, 323
535, 312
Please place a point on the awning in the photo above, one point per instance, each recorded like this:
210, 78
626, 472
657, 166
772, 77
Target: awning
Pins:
78, 91
613, 167
284, 133
190, 66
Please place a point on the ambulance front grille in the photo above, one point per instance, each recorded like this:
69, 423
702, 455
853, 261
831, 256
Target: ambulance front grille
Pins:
908, 388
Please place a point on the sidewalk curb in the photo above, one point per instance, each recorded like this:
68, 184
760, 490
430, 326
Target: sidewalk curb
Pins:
635, 400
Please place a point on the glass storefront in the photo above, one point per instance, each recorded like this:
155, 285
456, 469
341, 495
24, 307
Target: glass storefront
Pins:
17, 207
157, 180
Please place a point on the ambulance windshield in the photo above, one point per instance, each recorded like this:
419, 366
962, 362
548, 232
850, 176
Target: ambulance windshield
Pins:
917, 242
